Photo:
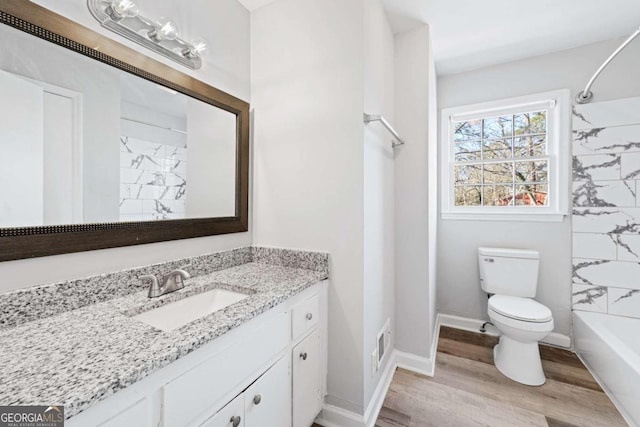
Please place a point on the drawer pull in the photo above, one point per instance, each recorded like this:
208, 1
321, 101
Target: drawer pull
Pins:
309, 316
235, 421
303, 356
257, 399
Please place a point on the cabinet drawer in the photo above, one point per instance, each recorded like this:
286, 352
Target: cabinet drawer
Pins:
212, 380
136, 415
305, 316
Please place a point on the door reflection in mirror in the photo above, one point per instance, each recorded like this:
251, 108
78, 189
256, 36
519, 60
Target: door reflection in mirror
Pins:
87, 143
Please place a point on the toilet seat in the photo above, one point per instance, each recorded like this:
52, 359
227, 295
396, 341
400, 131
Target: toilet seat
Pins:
521, 309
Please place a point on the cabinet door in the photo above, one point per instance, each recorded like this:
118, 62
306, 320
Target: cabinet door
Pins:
231, 415
267, 402
307, 380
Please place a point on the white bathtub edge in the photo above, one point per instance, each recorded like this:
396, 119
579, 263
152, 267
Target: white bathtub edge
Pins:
609, 393
595, 348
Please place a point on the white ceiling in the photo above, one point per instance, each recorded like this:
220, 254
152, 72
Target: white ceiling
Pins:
469, 34
254, 4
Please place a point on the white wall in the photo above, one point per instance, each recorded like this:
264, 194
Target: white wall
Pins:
379, 197
413, 299
225, 23
307, 91
458, 286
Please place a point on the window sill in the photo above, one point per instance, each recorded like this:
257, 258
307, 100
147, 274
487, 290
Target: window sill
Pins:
516, 216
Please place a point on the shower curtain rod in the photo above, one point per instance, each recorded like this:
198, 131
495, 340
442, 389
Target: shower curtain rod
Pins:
586, 95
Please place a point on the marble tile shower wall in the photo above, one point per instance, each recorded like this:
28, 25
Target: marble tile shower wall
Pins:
606, 207
153, 180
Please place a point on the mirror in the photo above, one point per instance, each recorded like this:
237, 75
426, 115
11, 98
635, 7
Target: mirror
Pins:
136, 149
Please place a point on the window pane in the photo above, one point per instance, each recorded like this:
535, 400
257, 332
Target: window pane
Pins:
466, 151
530, 146
498, 127
497, 173
496, 149
468, 195
498, 195
532, 171
467, 131
468, 174
529, 123
532, 195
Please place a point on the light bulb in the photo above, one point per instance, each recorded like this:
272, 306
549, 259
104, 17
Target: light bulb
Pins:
166, 30
197, 47
124, 9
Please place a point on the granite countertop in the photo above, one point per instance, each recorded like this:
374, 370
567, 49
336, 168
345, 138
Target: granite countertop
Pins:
79, 357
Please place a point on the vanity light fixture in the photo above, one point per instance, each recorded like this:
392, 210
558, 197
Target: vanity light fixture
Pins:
161, 36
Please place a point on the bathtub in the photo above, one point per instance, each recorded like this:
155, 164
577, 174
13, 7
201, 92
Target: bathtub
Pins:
610, 347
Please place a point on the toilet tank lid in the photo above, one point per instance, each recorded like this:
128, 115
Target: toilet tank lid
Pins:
509, 253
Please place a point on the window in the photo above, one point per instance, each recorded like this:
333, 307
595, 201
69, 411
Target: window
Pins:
506, 159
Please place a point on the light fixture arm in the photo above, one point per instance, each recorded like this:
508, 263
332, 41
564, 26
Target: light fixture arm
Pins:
145, 32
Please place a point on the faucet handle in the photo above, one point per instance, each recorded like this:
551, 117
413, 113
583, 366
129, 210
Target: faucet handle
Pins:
154, 288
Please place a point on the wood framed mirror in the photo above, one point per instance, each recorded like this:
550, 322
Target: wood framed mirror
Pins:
198, 187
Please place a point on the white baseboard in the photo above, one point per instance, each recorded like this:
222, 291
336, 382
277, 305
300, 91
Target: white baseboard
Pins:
375, 404
473, 325
417, 364
558, 340
334, 416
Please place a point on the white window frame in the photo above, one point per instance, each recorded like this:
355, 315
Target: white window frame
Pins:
558, 145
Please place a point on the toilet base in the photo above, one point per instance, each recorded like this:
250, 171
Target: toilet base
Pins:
519, 361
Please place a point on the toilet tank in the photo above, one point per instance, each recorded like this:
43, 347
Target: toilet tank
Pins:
511, 272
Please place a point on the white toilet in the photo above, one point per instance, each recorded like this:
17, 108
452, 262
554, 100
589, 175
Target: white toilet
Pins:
510, 277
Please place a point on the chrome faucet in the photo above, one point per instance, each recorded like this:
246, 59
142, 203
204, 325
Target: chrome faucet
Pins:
171, 282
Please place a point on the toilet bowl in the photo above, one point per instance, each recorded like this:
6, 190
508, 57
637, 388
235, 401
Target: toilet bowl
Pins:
522, 323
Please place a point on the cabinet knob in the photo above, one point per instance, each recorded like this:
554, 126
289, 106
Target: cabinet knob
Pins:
235, 421
257, 399
309, 316
303, 356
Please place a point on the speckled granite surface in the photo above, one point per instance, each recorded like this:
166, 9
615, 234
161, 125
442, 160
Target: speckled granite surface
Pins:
24, 305
38, 302
77, 358
317, 261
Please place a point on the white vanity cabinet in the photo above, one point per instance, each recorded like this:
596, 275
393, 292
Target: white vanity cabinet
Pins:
268, 372
265, 403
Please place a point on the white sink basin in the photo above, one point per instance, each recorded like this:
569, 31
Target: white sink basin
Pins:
177, 314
